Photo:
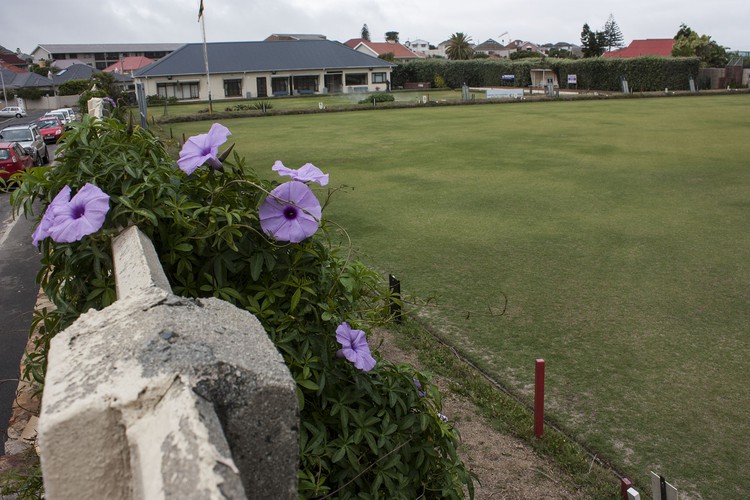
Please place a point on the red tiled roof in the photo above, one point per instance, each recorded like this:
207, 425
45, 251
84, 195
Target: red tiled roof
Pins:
399, 51
13, 60
649, 47
14, 69
128, 64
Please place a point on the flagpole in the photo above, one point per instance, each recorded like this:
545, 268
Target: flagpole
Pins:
205, 58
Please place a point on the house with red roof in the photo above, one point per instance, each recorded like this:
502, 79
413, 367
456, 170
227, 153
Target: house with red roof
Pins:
127, 65
650, 47
377, 49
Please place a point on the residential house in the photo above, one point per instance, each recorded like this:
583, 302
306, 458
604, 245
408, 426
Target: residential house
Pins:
128, 65
378, 49
521, 46
264, 69
14, 78
101, 55
13, 60
649, 47
84, 72
419, 47
493, 49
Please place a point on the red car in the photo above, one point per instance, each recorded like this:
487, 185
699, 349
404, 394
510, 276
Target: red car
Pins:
13, 158
51, 128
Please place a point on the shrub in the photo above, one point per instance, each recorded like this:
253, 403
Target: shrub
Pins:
155, 100
378, 97
74, 87
363, 433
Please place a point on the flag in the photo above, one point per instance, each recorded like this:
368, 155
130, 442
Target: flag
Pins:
200, 11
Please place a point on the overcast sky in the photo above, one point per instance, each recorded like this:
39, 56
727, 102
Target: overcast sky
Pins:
539, 21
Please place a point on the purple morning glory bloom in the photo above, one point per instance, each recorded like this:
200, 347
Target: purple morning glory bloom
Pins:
42, 230
354, 347
419, 388
290, 213
203, 148
306, 173
83, 214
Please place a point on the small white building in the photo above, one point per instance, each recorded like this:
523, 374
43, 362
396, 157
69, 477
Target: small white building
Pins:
264, 69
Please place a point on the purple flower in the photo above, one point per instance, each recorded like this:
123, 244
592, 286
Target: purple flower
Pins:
67, 220
419, 388
203, 148
42, 230
111, 101
354, 347
290, 213
306, 173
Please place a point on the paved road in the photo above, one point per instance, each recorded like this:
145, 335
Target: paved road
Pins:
19, 263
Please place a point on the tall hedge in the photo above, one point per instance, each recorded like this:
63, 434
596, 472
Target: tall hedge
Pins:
642, 73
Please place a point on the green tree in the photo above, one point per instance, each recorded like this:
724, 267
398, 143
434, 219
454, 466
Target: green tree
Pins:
561, 54
391, 36
688, 43
365, 32
592, 42
388, 56
612, 34
459, 47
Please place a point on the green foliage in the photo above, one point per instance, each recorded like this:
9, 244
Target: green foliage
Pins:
612, 34
459, 47
593, 43
688, 43
643, 73
524, 54
378, 97
388, 56
30, 93
365, 32
362, 434
440, 82
391, 36
153, 100
25, 483
74, 87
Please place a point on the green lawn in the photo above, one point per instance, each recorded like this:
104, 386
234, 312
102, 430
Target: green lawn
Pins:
618, 230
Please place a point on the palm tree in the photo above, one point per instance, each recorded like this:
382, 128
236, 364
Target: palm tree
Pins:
459, 47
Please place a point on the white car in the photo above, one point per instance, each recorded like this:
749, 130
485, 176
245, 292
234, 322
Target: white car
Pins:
12, 111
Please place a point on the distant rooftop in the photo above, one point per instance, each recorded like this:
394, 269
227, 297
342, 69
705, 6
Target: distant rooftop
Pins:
86, 48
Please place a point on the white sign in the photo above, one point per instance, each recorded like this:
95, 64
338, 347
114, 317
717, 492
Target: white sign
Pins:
656, 488
572, 79
500, 93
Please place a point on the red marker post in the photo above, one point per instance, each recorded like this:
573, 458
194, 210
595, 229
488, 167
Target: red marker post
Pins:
539, 399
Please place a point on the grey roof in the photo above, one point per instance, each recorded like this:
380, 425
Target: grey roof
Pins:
489, 44
283, 55
92, 48
83, 72
21, 80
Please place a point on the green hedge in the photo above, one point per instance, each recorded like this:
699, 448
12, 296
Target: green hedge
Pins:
643, 73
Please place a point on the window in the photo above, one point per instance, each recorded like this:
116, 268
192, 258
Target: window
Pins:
378, 78
280, 86
356, 79
233, 88
101, 65
181, 90
306, 84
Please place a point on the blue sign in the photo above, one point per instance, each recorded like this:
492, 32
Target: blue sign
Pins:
509, 78
572, 79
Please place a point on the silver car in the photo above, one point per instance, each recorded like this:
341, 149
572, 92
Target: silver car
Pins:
12, 111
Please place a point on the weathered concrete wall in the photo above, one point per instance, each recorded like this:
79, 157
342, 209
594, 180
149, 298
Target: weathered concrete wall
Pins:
159, 396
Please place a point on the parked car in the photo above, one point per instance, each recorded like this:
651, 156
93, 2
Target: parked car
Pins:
12, 111
61, 116
72, 114
30, 138
51, 128
13, 158
66, 113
